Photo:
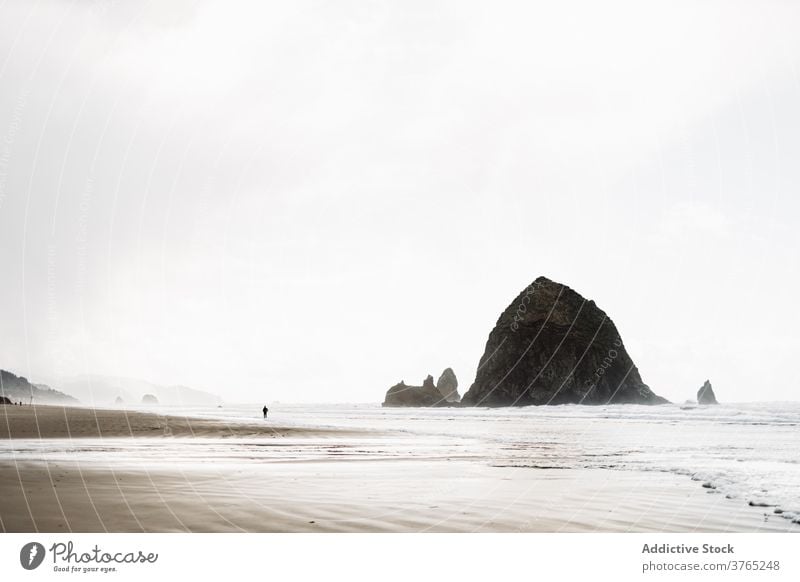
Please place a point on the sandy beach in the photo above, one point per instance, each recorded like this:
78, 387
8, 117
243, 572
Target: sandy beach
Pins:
84, 470
389, 496
47, 422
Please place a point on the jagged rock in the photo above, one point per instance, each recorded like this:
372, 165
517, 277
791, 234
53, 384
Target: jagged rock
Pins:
118, 400
149, 399
4, 400
706, 394
425, 395
448, 386
552, 346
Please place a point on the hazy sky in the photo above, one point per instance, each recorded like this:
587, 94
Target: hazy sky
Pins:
309, 201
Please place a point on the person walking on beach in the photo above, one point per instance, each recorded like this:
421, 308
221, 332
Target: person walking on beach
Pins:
265, 410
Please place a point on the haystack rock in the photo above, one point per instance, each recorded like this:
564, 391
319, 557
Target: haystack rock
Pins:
425, 395
118, 401
706, 394
4, 400
149, 399
552, 346
448, 386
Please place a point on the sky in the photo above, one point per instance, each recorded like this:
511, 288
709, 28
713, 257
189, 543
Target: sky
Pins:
310, 201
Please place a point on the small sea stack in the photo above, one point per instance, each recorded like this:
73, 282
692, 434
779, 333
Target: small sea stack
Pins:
447, 384
706, 394
149, 399
427, 395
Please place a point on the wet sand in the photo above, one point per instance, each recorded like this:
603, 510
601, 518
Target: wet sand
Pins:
34, 422
59, 475
363, 496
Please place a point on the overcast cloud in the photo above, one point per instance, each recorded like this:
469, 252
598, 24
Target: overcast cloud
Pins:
309, 201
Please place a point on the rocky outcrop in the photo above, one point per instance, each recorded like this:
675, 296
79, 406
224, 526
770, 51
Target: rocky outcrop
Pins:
552, 346
19, 389
447, 384
706, 394
119, 401
4, 400
149, 399
403, 395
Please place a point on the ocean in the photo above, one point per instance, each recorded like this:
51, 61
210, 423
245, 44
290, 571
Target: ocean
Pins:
747, 452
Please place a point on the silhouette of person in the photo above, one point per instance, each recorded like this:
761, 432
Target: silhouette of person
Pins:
265, 410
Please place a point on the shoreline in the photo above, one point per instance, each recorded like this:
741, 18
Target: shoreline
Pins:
66, 469
55, 421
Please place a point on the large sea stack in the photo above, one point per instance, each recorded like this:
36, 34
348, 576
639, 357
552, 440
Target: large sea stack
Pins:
706, 394
552, 346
